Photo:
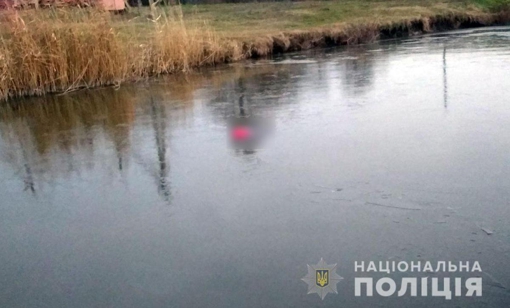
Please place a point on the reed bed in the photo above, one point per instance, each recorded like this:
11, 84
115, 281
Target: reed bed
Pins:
61, 54
61, 50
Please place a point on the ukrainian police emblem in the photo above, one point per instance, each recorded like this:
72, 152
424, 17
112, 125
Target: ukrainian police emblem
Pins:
322, 279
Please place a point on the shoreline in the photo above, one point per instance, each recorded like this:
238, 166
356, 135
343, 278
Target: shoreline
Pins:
94, 51
369, 33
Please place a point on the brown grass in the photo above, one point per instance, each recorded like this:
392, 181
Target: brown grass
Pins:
54, 51
38, 55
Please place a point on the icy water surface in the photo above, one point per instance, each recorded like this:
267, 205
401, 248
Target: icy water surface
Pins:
397, 151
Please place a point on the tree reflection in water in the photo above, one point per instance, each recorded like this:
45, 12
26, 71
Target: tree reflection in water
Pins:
45, 140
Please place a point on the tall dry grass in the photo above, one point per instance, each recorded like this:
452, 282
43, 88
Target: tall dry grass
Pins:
64, 51
60, 50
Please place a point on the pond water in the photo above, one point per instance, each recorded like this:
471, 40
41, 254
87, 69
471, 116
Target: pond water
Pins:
133, 197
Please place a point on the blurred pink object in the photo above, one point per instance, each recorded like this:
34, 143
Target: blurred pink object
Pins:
113, 5
240, 133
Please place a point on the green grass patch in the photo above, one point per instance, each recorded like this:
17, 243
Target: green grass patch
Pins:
495, 5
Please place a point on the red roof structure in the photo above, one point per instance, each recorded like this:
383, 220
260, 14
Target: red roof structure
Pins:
111, 5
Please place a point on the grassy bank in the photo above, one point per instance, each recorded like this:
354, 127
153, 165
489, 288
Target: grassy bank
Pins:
49, 51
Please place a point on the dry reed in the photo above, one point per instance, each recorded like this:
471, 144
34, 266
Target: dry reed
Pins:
46, 55
49, 51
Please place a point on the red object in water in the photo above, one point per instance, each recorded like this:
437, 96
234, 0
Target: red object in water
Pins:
241, 133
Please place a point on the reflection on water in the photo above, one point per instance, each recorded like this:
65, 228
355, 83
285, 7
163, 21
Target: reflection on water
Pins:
358, 70
45, 138
58, 135
46, 135
132, 197
445, 83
